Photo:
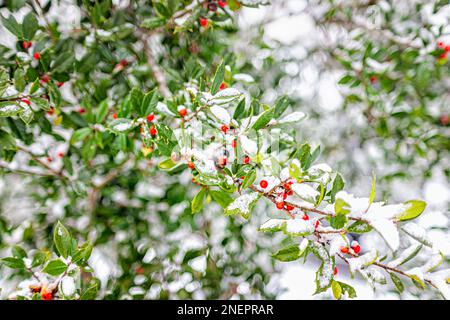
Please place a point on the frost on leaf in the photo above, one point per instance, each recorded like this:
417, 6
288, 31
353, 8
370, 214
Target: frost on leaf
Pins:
273, 225
325, 273
305, 191
299, 227
8, 110
417, 233
225, 96
242, 205
406, 255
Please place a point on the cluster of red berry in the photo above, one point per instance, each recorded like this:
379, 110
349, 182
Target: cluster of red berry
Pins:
212, 6
446, 49
356, 248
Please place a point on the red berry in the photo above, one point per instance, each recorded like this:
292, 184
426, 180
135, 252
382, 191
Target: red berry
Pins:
221, 3
447, 48
284, 195
114, 116
223, 161
60, 84
139, 270
26, 44
280, 205
344, 249
153, 131
243, 177
317, 224
444, 119
223, 85
305, 217
45, 78
335, 271
46, 295
49, 159
263, 184
224, 128
440, 44
373, 79
150, 117
443, 55
234, 143
246, 160
60, 154
183, 112
191, 165
26, 101
203, 22
356, 249
82, 110
289, 207
287, 186
290, 192
51, 111
37, 55
123, 62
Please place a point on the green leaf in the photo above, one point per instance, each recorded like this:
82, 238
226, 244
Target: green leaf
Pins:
121, 125
341, 207
14, 263
149, 102
197, 202
90, 293
242, 205
82, 254
29, 26
153, 23
250, 177
221, 197
102, 111
347, 289
218, 78
19, 252
397, 282
81, 134
338, 221
239, 111
55, 267
413, 210
39, 258
359, 227
12, 26
372, 191
337, 290
280, 106
263, 119
289, 253
62, 240
338, 185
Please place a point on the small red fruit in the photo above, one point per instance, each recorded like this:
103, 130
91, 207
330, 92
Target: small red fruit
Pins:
246, 160
45, 78
51, 111
443, 55
289, 207
356, 249
263, 184
373, 79
191, 165
444, 119
223, 161
82, 110
150, 117
234, 143
182, 112
344, 249
335, 271
284, 195
49, 159
287, 186
224, 128
316, 225
289, 192
26, 44
46, 295
203, 22
153, 131
305, 217
280, 205
221, 3
37, 55
60, 84
447, 48
114, 116
26, 101
61, 154
223, 85
440, 44
123, 62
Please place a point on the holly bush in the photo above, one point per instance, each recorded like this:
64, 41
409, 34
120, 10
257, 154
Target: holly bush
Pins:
137, 164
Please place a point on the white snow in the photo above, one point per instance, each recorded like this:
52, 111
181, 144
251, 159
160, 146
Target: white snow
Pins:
221, 114
249, 146
305, 191
299, 226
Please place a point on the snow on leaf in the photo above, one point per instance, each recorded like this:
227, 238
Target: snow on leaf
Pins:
406, 255
243, 77
440, 280
388, 230
433, 262
242, 205
299, 227
249, 146
376, 275
221, 114
121, 125
225, 96
325, 273
305, 191
365, 260
273, 225
336, 243
417, 233
8, 110
293, 117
